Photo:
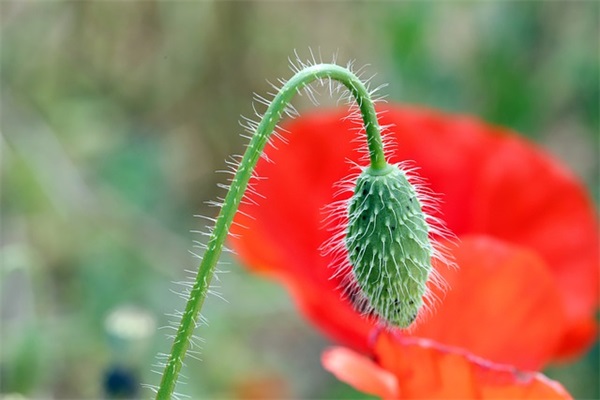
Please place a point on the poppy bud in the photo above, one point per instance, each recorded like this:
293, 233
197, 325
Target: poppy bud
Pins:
387, 239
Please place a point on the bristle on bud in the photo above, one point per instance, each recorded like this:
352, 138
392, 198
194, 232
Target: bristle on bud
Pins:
387, 240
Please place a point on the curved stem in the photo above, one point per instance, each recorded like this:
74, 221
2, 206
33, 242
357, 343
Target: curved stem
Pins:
238, 186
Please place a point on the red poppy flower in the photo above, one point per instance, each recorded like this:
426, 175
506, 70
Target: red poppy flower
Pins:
526, 289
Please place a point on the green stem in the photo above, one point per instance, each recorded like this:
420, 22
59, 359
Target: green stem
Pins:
238, 186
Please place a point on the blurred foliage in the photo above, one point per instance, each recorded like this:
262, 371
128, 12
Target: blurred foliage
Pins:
115, 116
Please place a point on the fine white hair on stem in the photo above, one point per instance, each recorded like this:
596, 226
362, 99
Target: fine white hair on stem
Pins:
335, 89
250, 125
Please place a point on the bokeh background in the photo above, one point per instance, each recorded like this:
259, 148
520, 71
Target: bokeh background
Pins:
115, 115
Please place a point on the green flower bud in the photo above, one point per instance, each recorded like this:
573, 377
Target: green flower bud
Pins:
387, 240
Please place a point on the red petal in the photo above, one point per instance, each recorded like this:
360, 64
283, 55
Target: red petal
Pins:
425, 369
502, 304
534, 202
360, 372
493, 182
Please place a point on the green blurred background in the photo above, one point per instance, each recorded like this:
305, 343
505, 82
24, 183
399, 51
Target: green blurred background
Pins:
115, 116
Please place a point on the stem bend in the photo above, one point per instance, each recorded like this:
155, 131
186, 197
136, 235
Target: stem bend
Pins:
238, 186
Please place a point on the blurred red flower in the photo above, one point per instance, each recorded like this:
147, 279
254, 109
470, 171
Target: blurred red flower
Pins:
526, 290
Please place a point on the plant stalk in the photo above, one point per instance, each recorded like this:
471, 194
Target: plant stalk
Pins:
238, 186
